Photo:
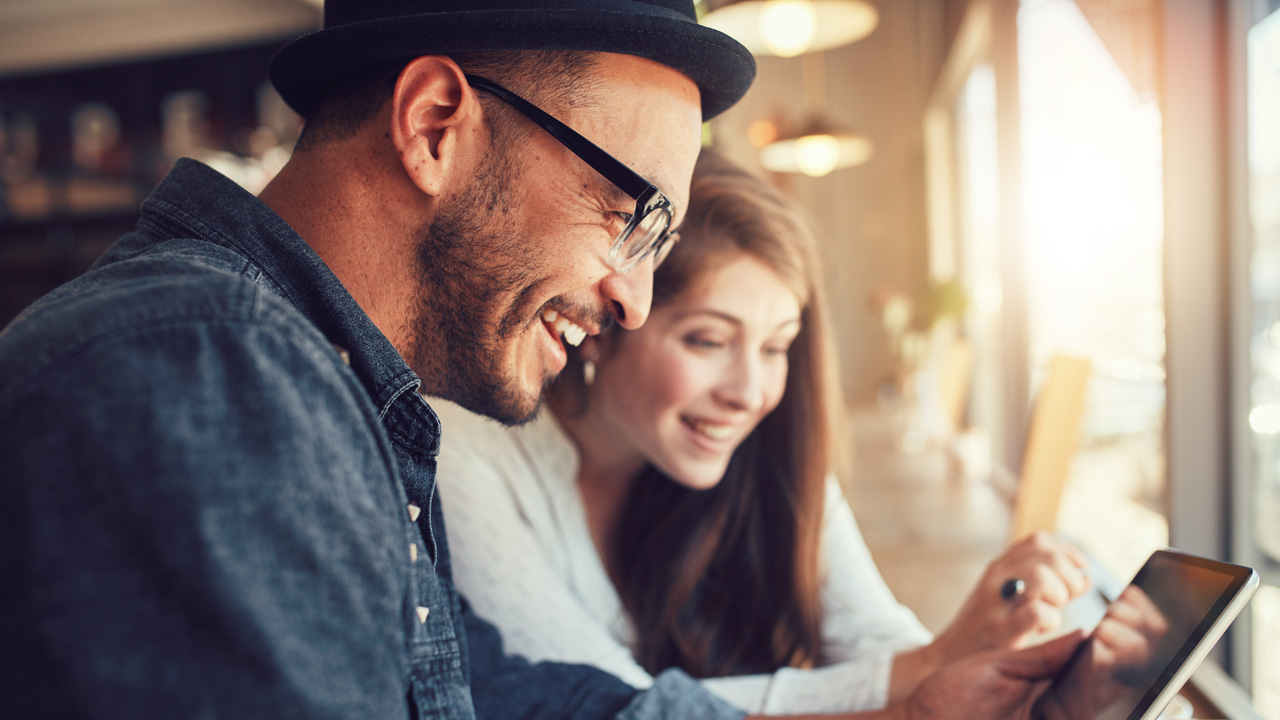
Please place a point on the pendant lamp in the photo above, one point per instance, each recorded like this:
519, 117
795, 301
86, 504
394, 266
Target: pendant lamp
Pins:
787, 28
820, 146
816, 150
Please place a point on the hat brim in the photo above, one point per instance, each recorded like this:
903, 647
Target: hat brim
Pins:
307, 68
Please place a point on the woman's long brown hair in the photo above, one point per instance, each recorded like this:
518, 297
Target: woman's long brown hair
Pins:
726, 581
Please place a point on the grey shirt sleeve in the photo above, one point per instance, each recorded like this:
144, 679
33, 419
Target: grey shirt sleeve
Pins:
675, 694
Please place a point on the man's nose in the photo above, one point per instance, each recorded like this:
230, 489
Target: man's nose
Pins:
630, 294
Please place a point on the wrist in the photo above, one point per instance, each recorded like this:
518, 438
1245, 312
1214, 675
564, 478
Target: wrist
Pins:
943, 650
900, 711
910, 668
933, 656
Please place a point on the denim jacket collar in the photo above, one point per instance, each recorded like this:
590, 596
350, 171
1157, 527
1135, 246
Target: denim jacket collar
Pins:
207, 205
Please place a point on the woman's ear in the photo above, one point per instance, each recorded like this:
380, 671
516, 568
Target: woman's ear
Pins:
434, 115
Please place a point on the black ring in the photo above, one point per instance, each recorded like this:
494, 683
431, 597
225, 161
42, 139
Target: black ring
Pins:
1012, 589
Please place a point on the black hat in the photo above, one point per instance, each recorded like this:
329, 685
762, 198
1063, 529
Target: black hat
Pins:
359, 34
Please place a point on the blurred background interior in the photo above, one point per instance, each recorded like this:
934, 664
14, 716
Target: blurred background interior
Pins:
1051, 231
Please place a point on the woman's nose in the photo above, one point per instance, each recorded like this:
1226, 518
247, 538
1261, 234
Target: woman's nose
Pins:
743, 385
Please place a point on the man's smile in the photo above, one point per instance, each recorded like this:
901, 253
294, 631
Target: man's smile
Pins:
560, 325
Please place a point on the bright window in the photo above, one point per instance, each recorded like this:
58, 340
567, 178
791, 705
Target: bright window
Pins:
1263, 153
1092, 179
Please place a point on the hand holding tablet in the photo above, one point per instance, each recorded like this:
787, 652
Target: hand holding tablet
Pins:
1153, 636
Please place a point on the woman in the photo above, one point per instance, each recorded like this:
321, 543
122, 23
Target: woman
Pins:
676, 507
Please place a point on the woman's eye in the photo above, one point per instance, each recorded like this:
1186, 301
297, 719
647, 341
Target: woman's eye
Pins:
703, 343
620, 218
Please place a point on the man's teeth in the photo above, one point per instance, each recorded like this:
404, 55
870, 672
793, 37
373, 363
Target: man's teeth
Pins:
573, 333
715, 431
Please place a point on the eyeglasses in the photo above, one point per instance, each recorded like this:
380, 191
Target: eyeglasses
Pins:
648, 229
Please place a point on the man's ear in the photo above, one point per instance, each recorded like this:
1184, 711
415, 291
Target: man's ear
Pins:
433, 114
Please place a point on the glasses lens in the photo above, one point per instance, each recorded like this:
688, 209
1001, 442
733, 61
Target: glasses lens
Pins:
649, 230
661, 252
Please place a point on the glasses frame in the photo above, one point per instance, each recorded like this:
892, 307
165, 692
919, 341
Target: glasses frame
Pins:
649, 199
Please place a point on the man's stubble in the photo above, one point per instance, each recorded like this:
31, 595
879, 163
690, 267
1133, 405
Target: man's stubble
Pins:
475, 273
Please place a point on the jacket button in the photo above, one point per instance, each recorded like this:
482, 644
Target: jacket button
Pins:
413, 552
414, 511
422, 614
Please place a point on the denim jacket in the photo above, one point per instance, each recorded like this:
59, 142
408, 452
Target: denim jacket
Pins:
217, 499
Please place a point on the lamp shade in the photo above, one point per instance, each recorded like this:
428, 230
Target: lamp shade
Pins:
787, 28
817, 150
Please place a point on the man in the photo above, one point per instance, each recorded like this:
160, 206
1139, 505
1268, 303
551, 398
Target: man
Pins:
217, 460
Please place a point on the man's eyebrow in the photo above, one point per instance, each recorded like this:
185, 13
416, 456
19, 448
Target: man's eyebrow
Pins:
653, 176
610, 192
678, 216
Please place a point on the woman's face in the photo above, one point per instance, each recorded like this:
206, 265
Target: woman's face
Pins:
685, 389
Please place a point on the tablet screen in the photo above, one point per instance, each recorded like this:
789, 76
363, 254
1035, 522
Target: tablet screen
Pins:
1170, 607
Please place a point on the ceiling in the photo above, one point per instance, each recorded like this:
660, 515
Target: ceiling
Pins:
38, 35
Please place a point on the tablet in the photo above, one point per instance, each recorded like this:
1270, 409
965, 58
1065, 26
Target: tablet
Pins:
1176, 608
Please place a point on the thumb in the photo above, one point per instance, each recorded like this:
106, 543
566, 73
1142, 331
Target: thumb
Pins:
1041, 661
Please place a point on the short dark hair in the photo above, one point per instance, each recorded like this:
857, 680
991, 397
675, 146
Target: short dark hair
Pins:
551, 79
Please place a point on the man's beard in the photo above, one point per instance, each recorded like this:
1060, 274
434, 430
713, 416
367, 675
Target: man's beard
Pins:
469, 268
